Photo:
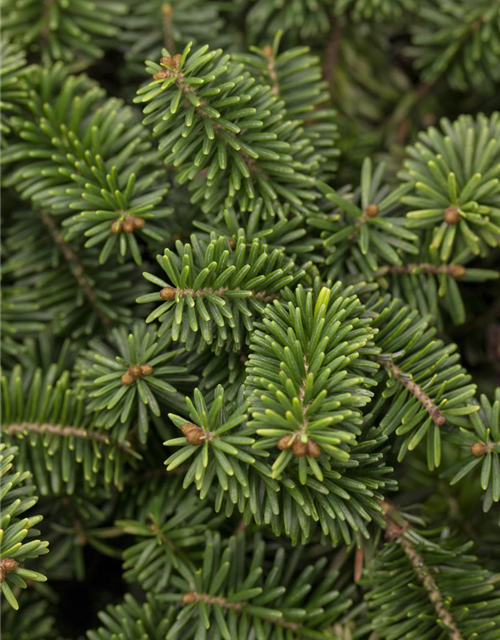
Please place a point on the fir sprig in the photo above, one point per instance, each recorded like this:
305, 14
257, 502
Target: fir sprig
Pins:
130, 378
17, 498
45, 417
456, 187
309, 375
215, 290
224, 133
63, 29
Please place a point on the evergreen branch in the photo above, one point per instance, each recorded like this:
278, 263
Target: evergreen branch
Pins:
237, 144
429, 386
35, 623
110, 175
61, 447
284, 72
217, 290
238, 601
305, 378
446, 38
76, 268
299, 20
479, 436
60, 299
365, 227
129, 379
17, 499
424, 574
456, 203
434, 576
169, 526
415, 389
152, 24
49, 27
219, 444
23, 428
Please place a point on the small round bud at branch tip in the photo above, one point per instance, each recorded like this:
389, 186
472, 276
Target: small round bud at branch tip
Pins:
146, 369
451, 215
285, 442
313, 449
128, 378
478, 449
190, 598
371, 210
299, 448
135, 371
168, 293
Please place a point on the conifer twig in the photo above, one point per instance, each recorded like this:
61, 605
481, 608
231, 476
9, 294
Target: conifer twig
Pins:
59, 430
396, 532
416, 390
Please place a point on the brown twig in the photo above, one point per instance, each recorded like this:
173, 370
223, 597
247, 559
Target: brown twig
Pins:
417, 391
271, 69
47, 4
170, 293
332, 52
167, 11
396, 532
76, 268
192, 597
453, 270
59, 430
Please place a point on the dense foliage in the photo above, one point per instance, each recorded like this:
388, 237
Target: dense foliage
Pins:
250, 327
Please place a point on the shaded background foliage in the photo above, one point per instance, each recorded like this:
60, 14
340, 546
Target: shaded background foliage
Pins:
355, 79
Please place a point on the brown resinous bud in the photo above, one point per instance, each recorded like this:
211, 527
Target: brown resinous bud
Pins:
128, 378
172, 62
194, 434
285, 442
457, 270
135, 372
371, 210
299, 448
313, 449
478, 449
167, 293
190, 598
127, 225
451, 215
7, 565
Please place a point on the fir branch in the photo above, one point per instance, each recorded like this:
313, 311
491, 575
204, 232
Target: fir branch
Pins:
167, 10
332, 51
60, 430
271, 69
415, 389
396, 532
453, 270
76, 267
192, 597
